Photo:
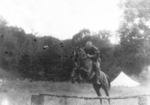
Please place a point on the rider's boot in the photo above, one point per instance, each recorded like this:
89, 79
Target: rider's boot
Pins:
97, 72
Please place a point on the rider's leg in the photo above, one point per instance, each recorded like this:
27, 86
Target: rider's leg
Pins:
97, 71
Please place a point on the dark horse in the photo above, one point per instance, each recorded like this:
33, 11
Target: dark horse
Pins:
84, 65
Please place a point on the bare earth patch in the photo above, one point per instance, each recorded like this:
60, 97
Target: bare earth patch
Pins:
19, 93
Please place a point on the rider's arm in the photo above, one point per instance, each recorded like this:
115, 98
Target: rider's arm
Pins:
96, 52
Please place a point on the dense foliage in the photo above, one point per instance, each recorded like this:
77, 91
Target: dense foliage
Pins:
24, 53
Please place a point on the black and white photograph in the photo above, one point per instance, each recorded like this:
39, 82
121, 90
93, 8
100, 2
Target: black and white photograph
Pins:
74, 52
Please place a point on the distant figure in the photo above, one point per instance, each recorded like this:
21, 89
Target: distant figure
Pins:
93, 53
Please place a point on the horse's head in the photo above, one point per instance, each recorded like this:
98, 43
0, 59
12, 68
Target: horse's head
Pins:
79, 57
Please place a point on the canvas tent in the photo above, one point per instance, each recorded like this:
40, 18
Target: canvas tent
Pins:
124, 80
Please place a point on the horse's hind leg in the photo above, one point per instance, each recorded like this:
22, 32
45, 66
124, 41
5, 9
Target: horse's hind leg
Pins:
107, 93
97, 89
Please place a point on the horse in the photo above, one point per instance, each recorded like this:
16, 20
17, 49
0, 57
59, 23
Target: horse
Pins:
84, 68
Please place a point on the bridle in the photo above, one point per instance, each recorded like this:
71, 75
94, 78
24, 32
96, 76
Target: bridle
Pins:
79, 56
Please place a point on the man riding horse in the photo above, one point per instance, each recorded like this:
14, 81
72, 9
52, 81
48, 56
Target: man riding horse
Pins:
87, 65
94, 54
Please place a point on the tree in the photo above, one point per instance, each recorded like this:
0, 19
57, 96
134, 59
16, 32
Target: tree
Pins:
135, 35
80, 35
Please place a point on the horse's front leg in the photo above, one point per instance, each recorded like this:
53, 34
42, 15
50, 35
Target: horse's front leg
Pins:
85, 70
79, 78
73, 75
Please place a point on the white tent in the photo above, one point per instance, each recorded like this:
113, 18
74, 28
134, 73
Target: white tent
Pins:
124, 80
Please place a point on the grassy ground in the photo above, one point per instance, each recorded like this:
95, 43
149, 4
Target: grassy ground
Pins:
19, 92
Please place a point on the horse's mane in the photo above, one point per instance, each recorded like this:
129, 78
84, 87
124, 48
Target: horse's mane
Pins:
83, 52
79, 52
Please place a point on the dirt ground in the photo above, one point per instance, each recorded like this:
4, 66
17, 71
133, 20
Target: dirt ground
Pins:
19, 93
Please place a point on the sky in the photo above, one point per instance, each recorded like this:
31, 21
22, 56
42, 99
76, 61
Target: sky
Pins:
61, 18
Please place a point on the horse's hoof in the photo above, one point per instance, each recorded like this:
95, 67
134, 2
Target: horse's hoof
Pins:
73, 81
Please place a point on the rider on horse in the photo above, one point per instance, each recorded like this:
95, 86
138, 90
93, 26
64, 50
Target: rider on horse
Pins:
87, 61
93, 53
